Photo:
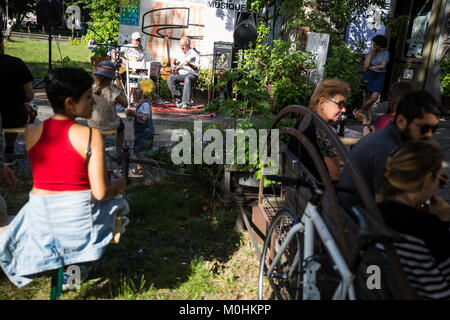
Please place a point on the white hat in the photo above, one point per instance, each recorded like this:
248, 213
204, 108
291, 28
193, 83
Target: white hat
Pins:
136, 35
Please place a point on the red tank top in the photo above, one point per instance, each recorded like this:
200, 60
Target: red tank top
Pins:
55, 163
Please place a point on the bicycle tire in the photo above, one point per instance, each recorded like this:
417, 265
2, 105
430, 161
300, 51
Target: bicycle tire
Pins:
279, 285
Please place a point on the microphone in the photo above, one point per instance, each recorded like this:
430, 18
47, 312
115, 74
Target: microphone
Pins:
140, 47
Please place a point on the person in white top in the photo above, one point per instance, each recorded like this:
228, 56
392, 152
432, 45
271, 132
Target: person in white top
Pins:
185, 66
134, 50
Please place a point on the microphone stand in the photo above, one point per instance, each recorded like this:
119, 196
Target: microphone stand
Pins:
37, 84
118, 61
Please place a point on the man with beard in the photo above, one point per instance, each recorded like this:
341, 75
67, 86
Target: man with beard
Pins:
417, 118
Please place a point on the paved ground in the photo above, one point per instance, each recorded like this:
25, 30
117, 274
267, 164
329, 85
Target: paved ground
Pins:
442, 136
165, 125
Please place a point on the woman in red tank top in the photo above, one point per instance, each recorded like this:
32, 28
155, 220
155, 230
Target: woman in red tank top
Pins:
57, 147
63, 223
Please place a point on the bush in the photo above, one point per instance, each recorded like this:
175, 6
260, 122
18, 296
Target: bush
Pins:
345, 64
445, 77
266, 79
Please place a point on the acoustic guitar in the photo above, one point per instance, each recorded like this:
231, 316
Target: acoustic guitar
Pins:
166, 70
123, 65
175, 70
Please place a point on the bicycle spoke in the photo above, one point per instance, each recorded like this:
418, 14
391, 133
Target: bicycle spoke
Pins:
283, 282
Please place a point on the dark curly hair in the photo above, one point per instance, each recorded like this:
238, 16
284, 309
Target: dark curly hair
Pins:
415, 104
63, 83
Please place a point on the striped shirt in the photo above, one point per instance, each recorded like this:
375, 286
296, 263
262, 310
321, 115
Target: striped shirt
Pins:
425, 253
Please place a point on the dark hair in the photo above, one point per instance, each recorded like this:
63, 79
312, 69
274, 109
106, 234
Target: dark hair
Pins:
101, 82
415, 104
63, 83
397, 92
380, 40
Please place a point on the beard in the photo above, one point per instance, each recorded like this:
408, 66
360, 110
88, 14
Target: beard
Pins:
406, 135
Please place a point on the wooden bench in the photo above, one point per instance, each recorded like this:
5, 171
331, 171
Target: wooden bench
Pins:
14, 130
111, 132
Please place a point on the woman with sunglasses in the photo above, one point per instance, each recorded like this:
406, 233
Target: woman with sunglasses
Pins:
413, 174
329, 101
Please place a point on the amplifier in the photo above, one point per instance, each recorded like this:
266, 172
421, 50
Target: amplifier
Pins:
223, 55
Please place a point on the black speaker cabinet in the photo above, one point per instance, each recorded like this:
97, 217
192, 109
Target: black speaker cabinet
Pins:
245, 30
49, 12
223, 55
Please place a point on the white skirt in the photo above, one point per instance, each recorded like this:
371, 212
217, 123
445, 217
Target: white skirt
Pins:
57, 230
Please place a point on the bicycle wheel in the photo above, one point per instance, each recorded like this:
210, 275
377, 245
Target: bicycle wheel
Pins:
284, 282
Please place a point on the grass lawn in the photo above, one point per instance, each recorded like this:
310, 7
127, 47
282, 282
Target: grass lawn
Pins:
35, 54
180, 244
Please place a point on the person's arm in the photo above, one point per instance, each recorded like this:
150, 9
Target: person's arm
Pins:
97, 172
173, 63
367, 124
440, 207
368, 58
334, 169
140, 116
28, 91
122, 99
196, 64
193, 66
380, 66
8, 178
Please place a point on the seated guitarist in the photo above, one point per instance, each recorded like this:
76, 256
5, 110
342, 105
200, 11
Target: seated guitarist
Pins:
130, 51
134, 49
185, 66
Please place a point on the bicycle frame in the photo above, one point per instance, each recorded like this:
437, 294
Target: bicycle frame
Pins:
310, 222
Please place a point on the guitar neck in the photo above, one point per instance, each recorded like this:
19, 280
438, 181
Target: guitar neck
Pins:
168, 51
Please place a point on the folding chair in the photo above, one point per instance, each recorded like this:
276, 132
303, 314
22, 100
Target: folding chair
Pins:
155, 71
135, 74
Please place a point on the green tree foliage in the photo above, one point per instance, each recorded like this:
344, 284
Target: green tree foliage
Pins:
18, 8
326, 16
331, 17
266, 79
104, 18
445, 77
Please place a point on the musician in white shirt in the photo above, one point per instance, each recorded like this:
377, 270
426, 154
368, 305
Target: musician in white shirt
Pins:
133, 50
185, 66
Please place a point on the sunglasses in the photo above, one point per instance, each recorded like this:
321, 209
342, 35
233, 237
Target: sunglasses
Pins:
341, 104
443, 179
425, 128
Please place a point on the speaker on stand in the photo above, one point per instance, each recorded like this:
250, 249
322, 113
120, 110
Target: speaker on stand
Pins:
245, 30
50, 14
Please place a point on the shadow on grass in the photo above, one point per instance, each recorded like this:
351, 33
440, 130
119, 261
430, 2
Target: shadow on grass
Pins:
173, 227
